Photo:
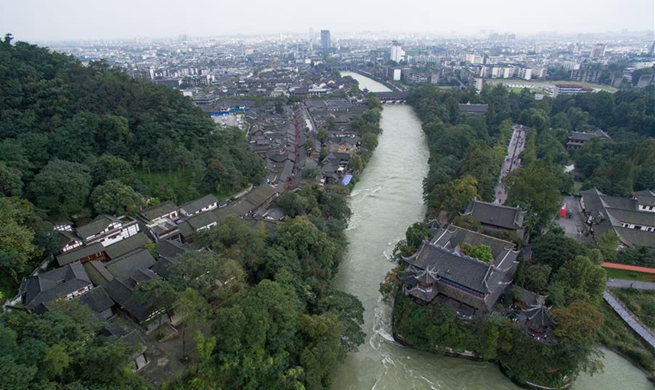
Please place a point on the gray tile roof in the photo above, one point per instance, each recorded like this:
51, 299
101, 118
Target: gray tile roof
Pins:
199, 204
201, 220
463, 270
496, 215
156, 211
79, 253
586, 136
48, 286
473, 108
171, 249
454, 236
97, 300
96, 226
122, 247
645, 197
610, 212
261, 194
122, 292
126, 265
98, 273
162, 266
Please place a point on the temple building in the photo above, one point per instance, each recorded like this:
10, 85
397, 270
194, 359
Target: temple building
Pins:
440, 273
497, 217
631, 219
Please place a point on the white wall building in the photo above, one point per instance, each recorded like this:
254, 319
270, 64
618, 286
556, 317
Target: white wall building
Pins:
397, 52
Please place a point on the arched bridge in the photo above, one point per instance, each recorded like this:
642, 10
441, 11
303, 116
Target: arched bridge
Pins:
392, 97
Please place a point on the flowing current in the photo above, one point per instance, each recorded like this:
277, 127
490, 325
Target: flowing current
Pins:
387, 200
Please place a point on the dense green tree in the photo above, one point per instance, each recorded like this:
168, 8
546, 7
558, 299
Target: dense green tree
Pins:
536, 277
578, 279
350, 312
454, 196
538, 189
109, 167
17, 237
115, 198
556, 250
62, 188
11, 183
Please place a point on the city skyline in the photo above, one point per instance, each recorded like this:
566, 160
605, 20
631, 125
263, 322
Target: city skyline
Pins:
38, 20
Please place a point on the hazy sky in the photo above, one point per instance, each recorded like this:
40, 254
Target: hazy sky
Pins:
31, 20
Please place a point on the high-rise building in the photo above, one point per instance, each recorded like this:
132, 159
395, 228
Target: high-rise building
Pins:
397, 52
311, 39
325, 39
598, 50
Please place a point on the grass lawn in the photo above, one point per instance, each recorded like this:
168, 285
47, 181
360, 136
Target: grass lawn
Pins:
641, 303
630, 275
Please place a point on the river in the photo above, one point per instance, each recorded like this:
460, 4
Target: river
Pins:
386, 200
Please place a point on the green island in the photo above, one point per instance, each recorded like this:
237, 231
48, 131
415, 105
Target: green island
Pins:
493, 274
251, 304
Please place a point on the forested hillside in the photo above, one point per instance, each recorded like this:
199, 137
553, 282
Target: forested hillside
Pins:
79, 140
54, 108
257, 304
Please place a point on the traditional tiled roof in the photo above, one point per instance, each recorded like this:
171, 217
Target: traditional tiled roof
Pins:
156, 211
126, 265
55, 284
96, 226
122, 247
122, 292
609, 213
162, 266
98, 273
463, 270
198, 204
538, 317
171, 249
473, 108
454, 236
97, 300
496, 215
645, 197
586, 136
261, 194
79, 254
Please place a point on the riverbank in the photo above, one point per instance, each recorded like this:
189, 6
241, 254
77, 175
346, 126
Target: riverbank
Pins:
387, 199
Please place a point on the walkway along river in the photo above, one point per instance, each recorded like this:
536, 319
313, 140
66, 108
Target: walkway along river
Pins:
386, 200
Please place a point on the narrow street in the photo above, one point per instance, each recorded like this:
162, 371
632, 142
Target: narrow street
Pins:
512, 161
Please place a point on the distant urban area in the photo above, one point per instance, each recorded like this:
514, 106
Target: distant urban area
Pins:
193, 196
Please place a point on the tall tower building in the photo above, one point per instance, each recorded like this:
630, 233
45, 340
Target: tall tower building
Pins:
311, 38
325, 39
598, 50
397, 52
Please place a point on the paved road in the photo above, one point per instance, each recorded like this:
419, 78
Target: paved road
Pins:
623, 283
512, 161
629, 318
573, 226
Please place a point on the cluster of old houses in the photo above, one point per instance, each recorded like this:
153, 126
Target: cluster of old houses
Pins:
102, 262
442, 273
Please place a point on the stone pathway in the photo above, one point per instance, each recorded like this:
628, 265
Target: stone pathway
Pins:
512, 161
629, 318
623, 283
